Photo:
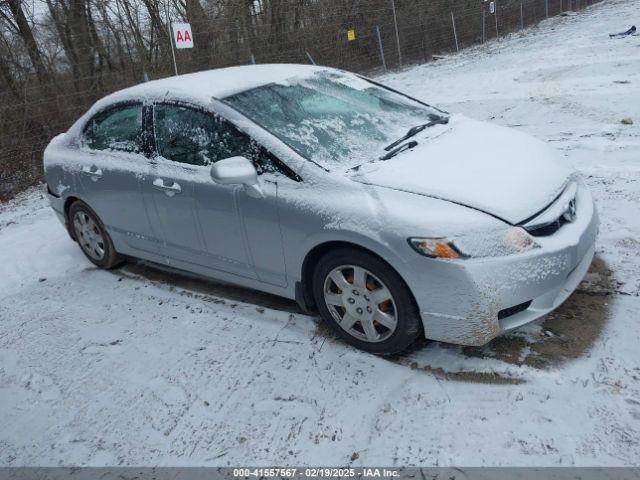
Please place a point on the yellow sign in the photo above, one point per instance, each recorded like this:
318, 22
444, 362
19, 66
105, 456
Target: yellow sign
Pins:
351, 35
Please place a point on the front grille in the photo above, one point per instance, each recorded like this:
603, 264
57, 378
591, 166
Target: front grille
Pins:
562, 210
508, 312
547, 230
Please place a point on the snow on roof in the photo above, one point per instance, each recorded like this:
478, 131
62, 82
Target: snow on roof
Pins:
200, 87
218, 83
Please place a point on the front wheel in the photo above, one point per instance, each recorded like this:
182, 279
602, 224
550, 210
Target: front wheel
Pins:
366, 302
92, 237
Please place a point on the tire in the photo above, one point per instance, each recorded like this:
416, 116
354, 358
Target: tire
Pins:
396, 322
92, 237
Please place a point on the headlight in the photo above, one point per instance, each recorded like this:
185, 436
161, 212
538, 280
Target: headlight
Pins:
492, 243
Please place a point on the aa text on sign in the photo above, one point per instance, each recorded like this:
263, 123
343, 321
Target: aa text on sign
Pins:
182, 35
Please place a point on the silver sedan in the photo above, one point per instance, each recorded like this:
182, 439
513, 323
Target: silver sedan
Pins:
392, 218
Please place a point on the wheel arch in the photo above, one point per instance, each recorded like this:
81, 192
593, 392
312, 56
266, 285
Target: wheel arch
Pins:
67, 205
304, 288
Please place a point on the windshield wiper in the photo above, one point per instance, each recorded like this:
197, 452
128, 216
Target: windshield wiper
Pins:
413, 131
399, 149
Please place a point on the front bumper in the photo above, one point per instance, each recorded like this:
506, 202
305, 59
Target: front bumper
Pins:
470, 302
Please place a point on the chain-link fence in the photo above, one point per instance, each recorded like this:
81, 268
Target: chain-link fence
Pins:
58, 56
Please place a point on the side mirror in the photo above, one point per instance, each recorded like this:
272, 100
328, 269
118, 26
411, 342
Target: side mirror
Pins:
237, 171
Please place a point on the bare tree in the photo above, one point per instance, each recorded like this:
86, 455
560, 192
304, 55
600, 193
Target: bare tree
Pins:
56, 62
16, 19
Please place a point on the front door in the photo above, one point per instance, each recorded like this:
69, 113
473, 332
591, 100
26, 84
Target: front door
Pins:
200, 219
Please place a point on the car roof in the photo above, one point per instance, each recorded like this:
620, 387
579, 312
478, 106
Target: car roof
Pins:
218, 83
200, 87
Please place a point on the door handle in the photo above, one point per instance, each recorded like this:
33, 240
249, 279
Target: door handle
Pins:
170, 189
94, 172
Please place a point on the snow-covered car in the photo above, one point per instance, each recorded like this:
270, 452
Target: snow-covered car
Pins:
390, 217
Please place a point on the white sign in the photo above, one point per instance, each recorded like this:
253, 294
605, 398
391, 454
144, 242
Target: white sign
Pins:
492, 7
182, 35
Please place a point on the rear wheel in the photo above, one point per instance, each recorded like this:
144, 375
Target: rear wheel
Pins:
366, 302
92, 237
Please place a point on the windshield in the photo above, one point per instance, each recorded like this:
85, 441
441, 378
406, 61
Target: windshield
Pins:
336, 120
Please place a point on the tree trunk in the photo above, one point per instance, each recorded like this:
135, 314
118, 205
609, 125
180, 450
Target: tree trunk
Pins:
29, 40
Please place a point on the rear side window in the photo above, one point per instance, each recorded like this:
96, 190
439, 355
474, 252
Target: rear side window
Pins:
188, 135
119, 129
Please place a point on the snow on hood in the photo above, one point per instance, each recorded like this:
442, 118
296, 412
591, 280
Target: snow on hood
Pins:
495, 169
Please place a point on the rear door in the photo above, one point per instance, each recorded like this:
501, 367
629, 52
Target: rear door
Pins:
114, 160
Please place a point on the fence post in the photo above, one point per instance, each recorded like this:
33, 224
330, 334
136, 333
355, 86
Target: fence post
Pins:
170, 32
521, 17
253, 59
310, 58
546, 8
384, 63
455, 34
484, 34
495, 14
395, 22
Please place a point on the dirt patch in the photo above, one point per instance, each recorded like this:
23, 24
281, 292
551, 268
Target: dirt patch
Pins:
467, 376
323, 330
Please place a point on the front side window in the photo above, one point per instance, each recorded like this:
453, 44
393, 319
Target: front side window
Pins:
336, 120
118, 129
195, 137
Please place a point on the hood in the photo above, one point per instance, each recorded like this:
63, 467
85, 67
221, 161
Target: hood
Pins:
494, 169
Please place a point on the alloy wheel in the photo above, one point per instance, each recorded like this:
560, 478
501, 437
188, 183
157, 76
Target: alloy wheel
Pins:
89, 236
360, 303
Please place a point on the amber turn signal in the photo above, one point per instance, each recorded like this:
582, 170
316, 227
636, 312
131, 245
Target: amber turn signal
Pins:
434, 247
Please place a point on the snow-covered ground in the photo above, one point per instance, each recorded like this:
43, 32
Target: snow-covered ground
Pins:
142, 367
